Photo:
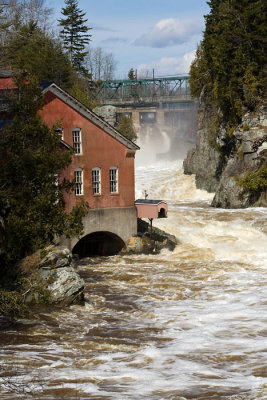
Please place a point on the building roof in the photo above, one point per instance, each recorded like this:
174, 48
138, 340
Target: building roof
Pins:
89, 114
149, 202
4, 73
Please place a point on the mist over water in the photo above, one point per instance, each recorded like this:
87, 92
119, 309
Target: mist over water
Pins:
182, 325
167, 141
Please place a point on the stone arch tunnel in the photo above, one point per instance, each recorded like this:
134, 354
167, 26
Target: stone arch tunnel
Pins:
105, 232
98, 244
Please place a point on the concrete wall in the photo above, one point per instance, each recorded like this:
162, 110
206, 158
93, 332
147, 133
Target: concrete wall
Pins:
121, 221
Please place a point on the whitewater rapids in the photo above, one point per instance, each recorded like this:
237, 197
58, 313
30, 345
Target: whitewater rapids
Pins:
187, 324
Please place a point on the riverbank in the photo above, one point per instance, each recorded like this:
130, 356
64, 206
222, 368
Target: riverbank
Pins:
49, 277
45, 277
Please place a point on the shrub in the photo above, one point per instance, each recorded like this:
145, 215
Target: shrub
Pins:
254, 181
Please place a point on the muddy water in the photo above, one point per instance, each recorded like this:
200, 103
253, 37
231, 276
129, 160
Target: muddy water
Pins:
175, 326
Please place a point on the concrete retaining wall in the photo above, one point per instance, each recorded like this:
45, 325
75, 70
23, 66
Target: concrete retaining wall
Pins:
121, 221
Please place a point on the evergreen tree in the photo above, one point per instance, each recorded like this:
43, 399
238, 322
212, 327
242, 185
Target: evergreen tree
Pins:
75, 34
126, 128
31, 158
30, 49
231, 60
132, 74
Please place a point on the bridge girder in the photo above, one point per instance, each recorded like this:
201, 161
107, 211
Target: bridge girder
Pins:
143, 90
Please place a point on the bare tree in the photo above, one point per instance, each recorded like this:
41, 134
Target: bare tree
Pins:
144, 74
15, 13
100, 65
109, 66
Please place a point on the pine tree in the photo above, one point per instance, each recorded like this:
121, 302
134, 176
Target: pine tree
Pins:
132, 74
231, 60
75, 34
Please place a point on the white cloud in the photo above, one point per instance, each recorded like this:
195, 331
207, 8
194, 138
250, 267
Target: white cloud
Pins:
170, 32
169, 65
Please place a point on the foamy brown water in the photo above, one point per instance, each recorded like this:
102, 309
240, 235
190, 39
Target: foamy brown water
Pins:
188, 324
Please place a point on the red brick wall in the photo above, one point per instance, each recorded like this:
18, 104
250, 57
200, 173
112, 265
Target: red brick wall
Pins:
99, 149
7, 83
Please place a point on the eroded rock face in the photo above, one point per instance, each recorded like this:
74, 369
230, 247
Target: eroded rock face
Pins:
249, 154
218, 164
51, 277
203, 160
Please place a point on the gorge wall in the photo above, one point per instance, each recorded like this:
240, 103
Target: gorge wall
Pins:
222, 163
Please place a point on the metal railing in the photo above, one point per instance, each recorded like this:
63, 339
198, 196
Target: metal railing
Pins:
144, 90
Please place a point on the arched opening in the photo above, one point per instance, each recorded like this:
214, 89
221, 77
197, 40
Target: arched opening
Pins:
162, 213
98, 244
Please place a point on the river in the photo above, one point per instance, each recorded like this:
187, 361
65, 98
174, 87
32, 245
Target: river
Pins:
187, 324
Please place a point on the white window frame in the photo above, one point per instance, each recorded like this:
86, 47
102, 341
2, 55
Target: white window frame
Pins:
77, 140
78, 179
113, 180
96, 180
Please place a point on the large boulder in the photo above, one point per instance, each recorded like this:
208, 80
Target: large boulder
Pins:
149, 242
49, 277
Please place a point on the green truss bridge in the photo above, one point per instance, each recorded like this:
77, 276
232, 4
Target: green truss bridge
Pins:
144, 91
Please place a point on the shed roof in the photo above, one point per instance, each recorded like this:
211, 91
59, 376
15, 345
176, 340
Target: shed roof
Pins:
149, 202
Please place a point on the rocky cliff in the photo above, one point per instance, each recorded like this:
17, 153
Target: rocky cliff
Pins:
204, 160
220, 161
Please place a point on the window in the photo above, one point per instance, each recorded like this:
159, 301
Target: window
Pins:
113, 179
147, 117
96, 180
78, 177
59, 132
77, 140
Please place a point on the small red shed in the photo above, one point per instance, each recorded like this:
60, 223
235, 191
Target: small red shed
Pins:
151, 208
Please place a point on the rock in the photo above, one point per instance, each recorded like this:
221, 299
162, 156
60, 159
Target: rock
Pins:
219, 164
63, 284
251, 142
108, 113
55, 257
205, 161
144, 244
50, 277
138, 245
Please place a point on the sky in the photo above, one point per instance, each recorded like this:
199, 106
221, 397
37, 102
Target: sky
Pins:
145, 34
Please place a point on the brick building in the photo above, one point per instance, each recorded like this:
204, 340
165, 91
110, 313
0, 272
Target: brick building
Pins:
102, 167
